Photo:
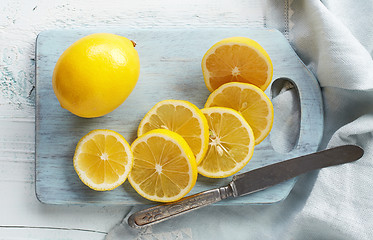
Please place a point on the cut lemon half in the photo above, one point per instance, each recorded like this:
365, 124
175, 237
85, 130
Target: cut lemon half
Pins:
103, 159
237, 59
231, 143
164, 169
250, 101
181, 117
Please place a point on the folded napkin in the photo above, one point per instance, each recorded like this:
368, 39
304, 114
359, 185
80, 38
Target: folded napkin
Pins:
334, 40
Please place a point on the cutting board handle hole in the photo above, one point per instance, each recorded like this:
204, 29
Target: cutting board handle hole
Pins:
284, 136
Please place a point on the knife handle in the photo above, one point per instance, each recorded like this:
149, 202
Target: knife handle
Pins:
162, 212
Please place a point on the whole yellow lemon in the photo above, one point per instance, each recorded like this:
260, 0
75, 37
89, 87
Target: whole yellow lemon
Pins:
96, 74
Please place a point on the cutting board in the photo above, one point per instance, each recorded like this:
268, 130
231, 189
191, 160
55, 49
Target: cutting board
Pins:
170, 69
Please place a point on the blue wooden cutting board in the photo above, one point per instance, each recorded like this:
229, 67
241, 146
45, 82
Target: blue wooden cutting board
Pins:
170, 69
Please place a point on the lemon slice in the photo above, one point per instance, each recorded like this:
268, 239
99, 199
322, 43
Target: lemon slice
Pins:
103, 159
164, 168
237, 59
250, 101
231, 143
181, 117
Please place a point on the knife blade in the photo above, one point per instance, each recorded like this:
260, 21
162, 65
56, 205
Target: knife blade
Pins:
248, 182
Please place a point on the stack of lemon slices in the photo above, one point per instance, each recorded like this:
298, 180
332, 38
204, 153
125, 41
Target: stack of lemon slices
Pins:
177, 140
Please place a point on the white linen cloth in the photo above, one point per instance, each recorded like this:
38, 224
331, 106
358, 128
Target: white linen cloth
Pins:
335, 40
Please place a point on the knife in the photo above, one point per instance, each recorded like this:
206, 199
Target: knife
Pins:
248, 182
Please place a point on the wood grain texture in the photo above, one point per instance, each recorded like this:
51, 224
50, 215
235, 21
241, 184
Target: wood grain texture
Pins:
170, 69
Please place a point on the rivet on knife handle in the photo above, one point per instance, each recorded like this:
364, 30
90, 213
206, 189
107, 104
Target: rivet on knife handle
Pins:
163, 212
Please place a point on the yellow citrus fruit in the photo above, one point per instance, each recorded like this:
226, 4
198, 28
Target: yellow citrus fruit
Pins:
231, 143
237, 59
164, 167
103, 159
181, 117
250, 101
96, 74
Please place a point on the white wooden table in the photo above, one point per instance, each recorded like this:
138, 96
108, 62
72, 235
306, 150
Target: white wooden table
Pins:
21, 215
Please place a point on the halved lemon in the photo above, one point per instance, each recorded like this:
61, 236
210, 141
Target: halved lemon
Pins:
164, 168
231, 143
250, 101
237, 59
103, 159
181, 117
